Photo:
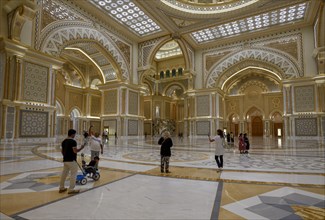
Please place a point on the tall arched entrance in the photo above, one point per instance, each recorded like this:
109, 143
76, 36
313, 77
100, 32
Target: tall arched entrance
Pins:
74, 119
277, 125
257, 126
234, 124
255, 122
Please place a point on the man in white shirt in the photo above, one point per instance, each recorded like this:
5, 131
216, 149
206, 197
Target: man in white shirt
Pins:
95, 144
105, 136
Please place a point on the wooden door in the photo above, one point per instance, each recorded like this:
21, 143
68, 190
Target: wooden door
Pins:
236, 132
257, 126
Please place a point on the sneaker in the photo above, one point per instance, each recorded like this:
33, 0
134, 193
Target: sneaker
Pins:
63, 190
167, 171
74, 191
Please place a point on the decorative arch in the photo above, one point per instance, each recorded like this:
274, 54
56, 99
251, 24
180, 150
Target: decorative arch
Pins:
243, 66
287, 67
74, 115
56, 35
146, 73
181, 45
76, 111
250, 83
252, 109
274, 112
233, 123
173, 84
59, 107
230, 114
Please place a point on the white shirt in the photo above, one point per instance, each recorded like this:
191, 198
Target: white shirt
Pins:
95, 143
219, 146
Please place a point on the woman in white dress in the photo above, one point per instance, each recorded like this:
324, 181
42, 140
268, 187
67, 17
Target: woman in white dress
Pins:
219, 139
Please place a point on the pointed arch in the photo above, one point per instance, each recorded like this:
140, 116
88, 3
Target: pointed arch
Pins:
181, 44
75, 111
275, 63
230, 114
173, 84
60, 110
55, 37
252, 109
274, 112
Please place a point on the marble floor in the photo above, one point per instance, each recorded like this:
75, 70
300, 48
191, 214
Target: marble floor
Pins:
278, 179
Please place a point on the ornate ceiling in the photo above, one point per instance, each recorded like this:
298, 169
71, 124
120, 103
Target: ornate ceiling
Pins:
202, 24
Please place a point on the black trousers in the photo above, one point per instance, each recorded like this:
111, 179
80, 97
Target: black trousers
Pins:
219, 160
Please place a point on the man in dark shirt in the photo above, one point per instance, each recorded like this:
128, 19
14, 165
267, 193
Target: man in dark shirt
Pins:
69, 151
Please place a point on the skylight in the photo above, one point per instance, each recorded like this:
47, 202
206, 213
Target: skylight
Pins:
57, 11
280, 16
169, 49
127, 13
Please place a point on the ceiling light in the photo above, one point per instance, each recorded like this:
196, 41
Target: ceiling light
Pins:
284, 15
125, 10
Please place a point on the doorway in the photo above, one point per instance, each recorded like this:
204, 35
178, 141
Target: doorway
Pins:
278, 129
257, 126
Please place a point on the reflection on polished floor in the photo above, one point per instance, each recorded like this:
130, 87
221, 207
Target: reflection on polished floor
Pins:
278, 179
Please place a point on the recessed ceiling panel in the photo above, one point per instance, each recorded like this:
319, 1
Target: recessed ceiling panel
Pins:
258, 22
128, 14
57, 11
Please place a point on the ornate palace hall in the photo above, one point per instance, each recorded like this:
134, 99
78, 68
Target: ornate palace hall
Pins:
133, 69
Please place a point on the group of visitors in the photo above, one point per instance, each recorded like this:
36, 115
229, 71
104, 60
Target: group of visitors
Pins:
243, 145
70, 150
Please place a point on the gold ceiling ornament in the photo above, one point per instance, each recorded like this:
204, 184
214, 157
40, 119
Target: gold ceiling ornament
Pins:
208, 6
208, 2
183, 23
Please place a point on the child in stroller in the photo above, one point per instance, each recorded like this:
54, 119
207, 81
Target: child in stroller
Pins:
88, 170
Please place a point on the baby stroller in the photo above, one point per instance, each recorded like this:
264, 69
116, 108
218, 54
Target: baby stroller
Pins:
87, 171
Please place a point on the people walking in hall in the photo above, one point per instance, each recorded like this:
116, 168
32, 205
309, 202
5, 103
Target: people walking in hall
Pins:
105, 136
95, 145
69, 152
165, 153
232, 138
241, 144
246, 142
219, 151
115, 137
228, 138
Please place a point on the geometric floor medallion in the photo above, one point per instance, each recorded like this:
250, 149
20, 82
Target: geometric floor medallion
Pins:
283, 203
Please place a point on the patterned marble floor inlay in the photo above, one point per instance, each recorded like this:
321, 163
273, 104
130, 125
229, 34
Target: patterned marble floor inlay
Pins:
279, 179
35, 182
177, 156
284, 203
